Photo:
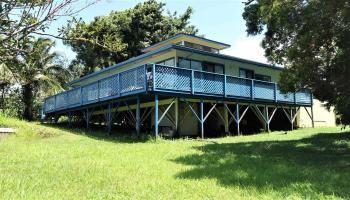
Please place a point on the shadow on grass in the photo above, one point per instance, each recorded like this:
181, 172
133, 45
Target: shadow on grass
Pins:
99, 133
319, 165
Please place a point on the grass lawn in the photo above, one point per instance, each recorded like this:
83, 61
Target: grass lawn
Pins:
42, 162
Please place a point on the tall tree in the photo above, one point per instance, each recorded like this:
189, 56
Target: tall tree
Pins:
36, 71
6, 79
311, 38
123, 34
20, 19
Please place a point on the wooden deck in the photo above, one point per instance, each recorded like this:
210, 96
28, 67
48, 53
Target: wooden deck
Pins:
153, 78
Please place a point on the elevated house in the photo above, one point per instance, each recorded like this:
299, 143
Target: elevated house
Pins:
184, 86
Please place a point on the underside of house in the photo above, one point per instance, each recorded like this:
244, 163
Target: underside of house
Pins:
182, 86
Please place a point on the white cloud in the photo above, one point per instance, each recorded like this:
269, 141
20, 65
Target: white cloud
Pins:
247, 48
63, 50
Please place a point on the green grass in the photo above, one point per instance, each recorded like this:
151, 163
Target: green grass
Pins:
42, 162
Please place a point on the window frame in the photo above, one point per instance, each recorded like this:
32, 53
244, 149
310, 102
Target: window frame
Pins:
254, 75
163, 61
202, 62
245, 69
200, 47
262, 75
178, 63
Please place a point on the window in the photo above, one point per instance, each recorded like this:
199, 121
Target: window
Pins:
201, 66
184, 63
200, 47
208, 67
196, 65
219, 69
212, 67
262, 77
214, 50
246, 73
168, 62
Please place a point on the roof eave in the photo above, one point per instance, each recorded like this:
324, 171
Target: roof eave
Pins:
224, 45
228, 57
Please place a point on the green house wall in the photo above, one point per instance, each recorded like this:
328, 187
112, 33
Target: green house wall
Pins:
232, 67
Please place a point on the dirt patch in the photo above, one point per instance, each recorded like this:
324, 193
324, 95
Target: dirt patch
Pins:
3, 135
4, 132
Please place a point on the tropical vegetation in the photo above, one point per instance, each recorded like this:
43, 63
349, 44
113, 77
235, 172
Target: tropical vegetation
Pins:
122, 34
31, 69
38, 72
312, 40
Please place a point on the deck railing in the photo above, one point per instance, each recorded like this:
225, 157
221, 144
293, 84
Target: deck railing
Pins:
121, 84
171, 79
160, 78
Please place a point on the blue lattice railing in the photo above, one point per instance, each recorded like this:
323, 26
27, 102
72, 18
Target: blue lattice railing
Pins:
158, 78
124, 83
187, 81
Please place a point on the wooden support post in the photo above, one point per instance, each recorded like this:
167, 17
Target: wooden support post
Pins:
312, 116
57, 117
138, 118
156, 131
291, 116
265, 117
109, 119
202, 118
192, 81
237, 119
266, 113
70, 119
87, 118
165, 113
261, 115
176, 115
270, 117
226, 123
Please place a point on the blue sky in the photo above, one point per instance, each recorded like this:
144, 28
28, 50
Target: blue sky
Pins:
219, 20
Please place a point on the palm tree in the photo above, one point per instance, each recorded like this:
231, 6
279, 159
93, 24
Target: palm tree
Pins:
38, 71
6, 79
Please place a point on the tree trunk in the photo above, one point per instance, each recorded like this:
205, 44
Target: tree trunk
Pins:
27, 95
2, 99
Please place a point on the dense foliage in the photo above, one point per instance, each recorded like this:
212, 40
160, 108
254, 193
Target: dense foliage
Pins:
122, 34
36, 72
27, 67
312, 40
20, 19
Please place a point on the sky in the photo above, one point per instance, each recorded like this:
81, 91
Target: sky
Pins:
219, 20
